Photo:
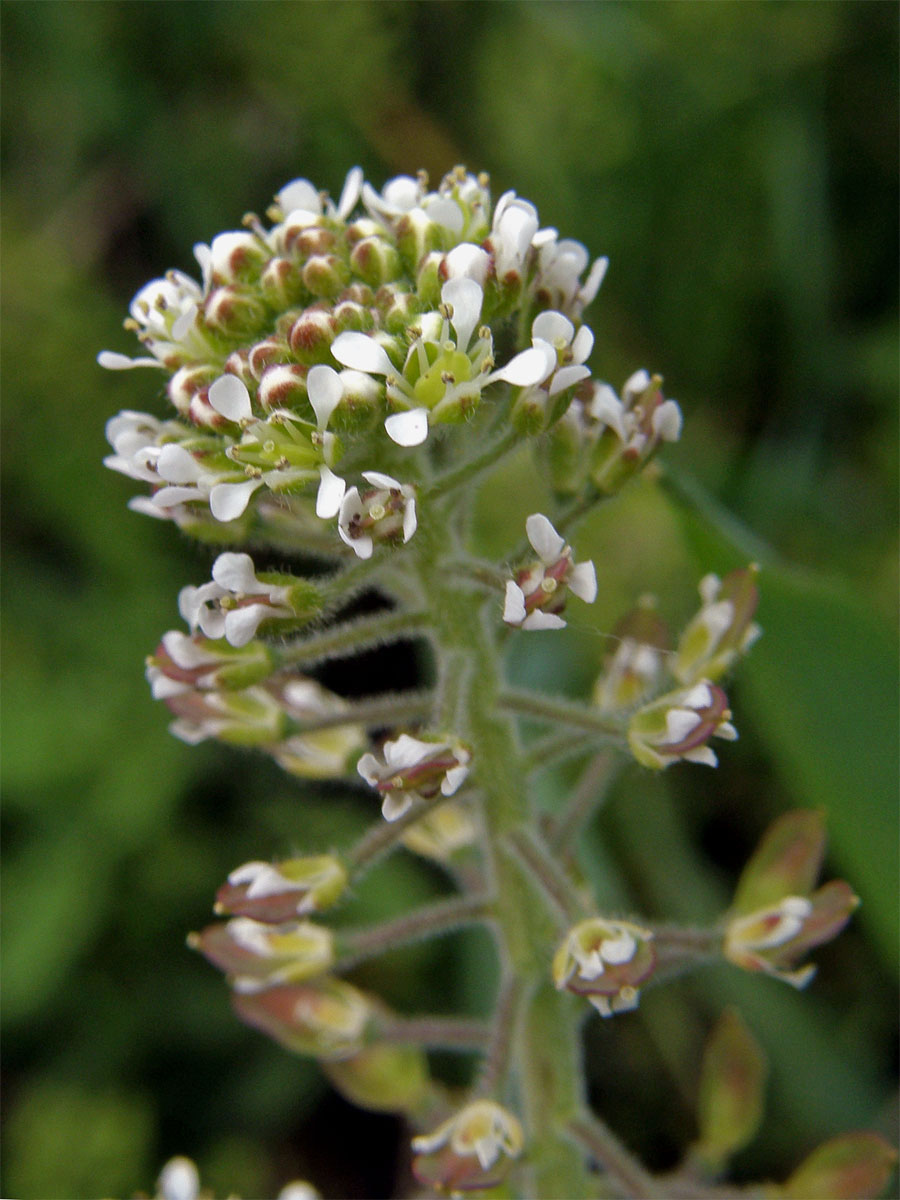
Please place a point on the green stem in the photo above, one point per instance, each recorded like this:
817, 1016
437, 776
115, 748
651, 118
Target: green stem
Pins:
627, 1175
553, 749
388, 708
535, 856
350, 637
562, 711
437, 1033
384, 836
429, 921
590, 792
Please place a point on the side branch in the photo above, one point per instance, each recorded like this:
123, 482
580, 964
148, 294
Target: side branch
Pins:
429, 921
349, 638
561, 711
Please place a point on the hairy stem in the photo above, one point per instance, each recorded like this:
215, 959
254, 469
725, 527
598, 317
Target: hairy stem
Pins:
429, 921
559, 710
351, 637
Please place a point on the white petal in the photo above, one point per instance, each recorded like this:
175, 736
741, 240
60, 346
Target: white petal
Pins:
544, 538
112, 361
595, 278
330, 494
680, 723
410, 521
350, 192
446, 212
514, 605
465, 297
230, 397
583, 582
177, 465
702, 755
227, 501
618, 949
179, 1180
636, 384
168, 497
145, 506
380, 481
203, 255
183, 323
583, 344
241, 623
467, 260
607, 408
667, 422
553, 327
395, 804
362, 547
406, 751
543, 620
212, 623
357, 350
185, 652
454, 779
408, 428
324, 387
529, 367
370, 769
299, 193
698, 696
162, 687
567, 377
236, 573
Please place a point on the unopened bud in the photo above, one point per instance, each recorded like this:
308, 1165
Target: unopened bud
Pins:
326, 1018
732, 1078
382, 1078
324, 275
853, 1166
311, 336
281, 283
633, 670
278, 892
722, 630
376, 261
255, 955
234, 312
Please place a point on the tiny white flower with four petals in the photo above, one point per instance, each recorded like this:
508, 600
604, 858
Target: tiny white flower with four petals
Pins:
538, 594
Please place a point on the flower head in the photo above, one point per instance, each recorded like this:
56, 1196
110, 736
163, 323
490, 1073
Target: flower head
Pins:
678, 726
632, 428
471, 1151
536, 597
606, 961
412, 769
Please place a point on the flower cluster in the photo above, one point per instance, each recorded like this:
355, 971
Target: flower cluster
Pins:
345, 331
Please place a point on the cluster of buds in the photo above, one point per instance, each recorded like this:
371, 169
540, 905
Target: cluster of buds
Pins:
472, 1151
606, 961
345, 334
537, 595
412, 770
776, 916
666, 723
234, 695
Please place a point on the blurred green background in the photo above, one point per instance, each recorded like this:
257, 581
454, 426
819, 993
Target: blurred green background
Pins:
738, 163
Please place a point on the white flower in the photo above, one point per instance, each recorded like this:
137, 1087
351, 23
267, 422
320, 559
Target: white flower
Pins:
413, 769
233, 580
515, 224
560, 265
164, 313
301, 196
538, 594
386, 512
641, 418
178, 1180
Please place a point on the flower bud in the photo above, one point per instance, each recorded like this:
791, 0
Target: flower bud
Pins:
234, 312
787, 860
732, 1078
773, 939
853, 1166
324, 275
252, 717
178, 1180
256, 955
382, 1078
376, 261
418, 235
398, 308
181, 662
326, 1018
414, 769
311, 336
633, 670
722, 630
278, 892
187, 382
281, 283
605, 960
283, 385
634, 427
678, 726
472, 1151
236, 257
440, 833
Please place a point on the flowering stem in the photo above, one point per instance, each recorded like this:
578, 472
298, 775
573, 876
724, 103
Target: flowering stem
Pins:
429, 921
385, 835
387, 708
506, 1019
562, 711
352, 636
437, 1033
592, 790
625, 1172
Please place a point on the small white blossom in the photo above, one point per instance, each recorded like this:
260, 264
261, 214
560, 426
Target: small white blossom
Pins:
249, 601
385, 512
538, 594
413, 769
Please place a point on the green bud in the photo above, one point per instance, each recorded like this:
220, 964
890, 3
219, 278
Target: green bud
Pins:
326, 1018
234, 312
854, 1166
376, 261
382, 1078
277, 892
732, 1079
325, 275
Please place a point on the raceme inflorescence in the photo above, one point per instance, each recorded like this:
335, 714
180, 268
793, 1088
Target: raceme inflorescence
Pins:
341, 382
